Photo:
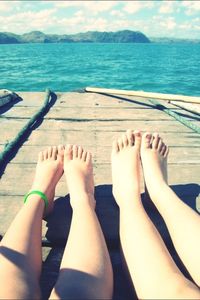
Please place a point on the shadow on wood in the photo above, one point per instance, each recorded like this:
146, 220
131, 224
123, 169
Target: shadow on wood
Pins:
22, 137
59, 221
9, 105
146, 104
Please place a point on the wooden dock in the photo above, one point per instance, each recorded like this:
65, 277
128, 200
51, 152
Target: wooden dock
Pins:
91, 120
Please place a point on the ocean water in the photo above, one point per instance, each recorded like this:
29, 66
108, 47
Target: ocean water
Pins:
165, 68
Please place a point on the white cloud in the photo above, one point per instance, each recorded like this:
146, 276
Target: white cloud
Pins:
196, 20
93, 7
167, 7
160, 26
99, 6
134, 6
6, 6
197, 27
117, 13
99, 24
27, 21
191, 7
185, 26
79, 13
71, 23
170, 24
71, 3
165, 23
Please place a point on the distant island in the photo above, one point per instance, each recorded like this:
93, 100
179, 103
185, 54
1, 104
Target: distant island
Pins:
168, 40
124, 36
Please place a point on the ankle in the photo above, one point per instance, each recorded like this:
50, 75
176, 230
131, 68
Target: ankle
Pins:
83, 201
36, 202
129, 202
129, 196
157, 190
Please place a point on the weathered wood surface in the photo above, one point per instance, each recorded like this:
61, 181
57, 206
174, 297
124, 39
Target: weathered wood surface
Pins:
194, 108
92, 121
144, 94
185, 154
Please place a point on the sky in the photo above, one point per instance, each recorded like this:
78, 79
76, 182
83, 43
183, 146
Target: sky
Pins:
177, 19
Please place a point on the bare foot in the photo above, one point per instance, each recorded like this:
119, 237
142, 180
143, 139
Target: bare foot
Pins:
126, 167
79, 175
154, 161
48, 172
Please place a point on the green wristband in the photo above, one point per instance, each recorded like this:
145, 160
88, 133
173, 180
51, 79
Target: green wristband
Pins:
42, 195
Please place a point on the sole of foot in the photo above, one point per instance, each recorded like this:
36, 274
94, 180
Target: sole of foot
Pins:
154, 153
78, 170
48, 172
125, 160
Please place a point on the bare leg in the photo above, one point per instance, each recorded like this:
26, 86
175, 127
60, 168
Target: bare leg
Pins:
183, 223
20, 249
85, 271
152, 269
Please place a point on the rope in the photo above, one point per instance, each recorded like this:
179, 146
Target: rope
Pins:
10, 147
180, 119
156, 104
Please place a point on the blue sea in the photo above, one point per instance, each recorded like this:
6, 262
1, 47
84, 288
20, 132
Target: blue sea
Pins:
165, 68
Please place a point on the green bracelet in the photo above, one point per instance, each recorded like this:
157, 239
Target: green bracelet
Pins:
42, 195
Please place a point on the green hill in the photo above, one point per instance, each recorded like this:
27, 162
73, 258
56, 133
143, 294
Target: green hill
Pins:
124, 36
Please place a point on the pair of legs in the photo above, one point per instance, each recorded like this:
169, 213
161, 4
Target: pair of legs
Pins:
86, 269
152, 269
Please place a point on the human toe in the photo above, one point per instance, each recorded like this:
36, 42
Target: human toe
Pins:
146, 140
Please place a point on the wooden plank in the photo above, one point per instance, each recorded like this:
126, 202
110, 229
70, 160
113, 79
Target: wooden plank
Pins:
97, 100
88, 100
93, 100
40, 137
126, 101
11, 124
19, 112
21, 184
71, 99
188, 115
100, 113
116, 126
31, 98
92, 138
188, 106
105, 138
47, 138
160, 96
178, 174
15, 174
29, 154
101, 154
84, 113
94, 125
9, 207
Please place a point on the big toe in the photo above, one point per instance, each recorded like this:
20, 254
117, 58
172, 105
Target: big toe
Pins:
68, 153
137, 138
146, 141
61, 150
115, 147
